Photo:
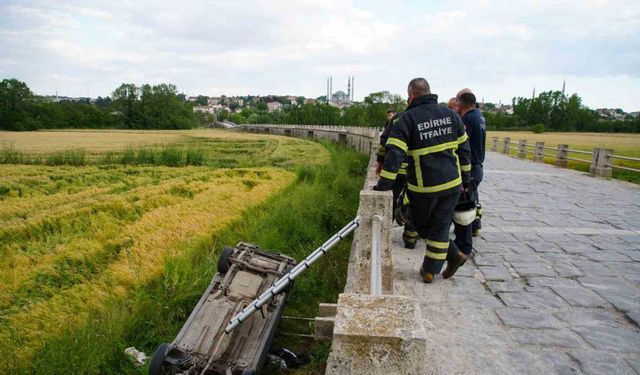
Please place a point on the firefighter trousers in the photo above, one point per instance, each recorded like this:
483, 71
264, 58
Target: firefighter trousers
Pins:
409, 235
431, 217
464, 233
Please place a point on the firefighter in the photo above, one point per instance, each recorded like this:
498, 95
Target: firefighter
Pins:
475, 125
438, 168
409, 235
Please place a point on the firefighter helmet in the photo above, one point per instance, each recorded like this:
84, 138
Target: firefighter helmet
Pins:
465, 211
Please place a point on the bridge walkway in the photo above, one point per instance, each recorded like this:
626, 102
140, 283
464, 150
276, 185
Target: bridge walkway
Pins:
555, 285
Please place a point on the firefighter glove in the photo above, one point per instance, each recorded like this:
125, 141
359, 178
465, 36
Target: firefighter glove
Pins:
384, 184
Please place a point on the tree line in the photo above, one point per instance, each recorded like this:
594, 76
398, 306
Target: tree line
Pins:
161, 107
554, 111
129, 107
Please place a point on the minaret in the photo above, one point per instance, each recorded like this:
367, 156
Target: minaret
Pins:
349, 88
563, 86
533, 96
327, 89
330, 87
352, 87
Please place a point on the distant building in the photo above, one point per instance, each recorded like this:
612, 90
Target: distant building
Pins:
611, 113
203, 109
274, 106
310, 101
634, 114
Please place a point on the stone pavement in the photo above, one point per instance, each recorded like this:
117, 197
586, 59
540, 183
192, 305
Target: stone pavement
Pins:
555, 287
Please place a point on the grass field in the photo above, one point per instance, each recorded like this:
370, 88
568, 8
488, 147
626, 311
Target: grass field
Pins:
212, 147
622, 144
98, 257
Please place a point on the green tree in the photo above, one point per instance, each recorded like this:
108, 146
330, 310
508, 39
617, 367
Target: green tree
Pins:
15, 102
202, 100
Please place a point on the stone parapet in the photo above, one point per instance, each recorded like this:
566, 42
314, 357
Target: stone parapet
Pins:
377, 335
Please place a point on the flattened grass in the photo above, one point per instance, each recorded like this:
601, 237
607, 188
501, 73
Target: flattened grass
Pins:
97, 258
64, 266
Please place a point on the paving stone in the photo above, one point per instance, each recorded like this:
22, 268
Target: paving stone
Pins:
545, 247
505, 286
467, 270
633, 254
573, 248
525, 318
630, 271
532, 299
560, 363
601, 363
580, 296
524, 258
611, 339
587, 317
634, 316
488, 259
495, 273
617, 291
497, 237
533, 269
607, 256
567, 270
469, 285
541, 281
526, 362
591, 268
547, 337
634, 362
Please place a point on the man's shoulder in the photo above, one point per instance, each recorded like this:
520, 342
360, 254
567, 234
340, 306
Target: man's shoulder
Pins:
473, 116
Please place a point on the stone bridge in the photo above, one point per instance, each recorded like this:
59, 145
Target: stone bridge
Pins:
554, 287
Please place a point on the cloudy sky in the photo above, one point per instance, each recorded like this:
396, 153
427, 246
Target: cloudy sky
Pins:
499, 48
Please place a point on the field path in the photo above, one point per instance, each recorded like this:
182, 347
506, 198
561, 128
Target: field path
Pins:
555, 287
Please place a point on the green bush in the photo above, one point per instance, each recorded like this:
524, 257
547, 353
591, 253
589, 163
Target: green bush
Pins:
171, 157
537, 128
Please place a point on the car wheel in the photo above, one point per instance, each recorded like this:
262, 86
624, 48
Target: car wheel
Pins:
223, 259
157, 362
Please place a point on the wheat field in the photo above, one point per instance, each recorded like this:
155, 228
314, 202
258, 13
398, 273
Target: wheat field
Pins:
73, 237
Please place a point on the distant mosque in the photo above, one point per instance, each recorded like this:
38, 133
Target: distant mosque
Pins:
340, 97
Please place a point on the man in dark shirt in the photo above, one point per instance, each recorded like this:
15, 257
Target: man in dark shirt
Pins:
475, 125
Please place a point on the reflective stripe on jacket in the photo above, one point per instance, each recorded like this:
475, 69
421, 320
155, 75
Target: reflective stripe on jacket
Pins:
434, 139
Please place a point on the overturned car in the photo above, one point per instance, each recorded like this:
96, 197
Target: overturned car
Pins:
203, 346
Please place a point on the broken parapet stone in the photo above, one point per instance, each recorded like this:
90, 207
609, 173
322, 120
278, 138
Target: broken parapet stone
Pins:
377, 335
137, 357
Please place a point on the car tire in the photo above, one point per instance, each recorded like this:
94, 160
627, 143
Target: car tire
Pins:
223, 259
157, 362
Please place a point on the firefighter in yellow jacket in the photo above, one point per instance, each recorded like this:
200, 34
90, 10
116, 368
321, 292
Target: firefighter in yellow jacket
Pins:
409, 235
438, 168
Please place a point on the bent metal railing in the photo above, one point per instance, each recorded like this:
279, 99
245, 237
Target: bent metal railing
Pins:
287, 279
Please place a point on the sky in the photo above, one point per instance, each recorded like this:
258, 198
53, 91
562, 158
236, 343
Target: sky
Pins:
500, 49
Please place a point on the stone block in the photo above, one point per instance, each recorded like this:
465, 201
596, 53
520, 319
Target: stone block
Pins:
611, 339
546, 337
580, 296
532, 299
525, 318
328, 309
377, 335
323, 328
600, 363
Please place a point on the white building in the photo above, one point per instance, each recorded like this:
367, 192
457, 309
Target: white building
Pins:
273, 106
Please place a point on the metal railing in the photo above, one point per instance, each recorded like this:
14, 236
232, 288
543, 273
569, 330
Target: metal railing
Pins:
601, 163
625, 158
287, 279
